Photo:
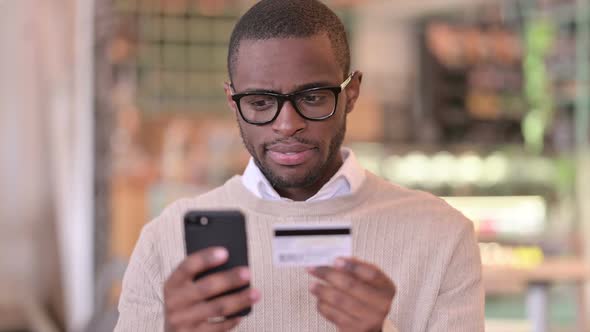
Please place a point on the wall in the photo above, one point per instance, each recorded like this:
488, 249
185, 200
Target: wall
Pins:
46, 151
28, 253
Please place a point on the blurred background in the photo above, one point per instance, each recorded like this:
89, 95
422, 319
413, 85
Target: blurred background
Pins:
111, 109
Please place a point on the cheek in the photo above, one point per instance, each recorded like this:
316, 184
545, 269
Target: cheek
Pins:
338, 122
252, 135
325, 132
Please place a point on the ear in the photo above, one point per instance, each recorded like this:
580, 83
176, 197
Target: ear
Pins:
353, 91
228, 93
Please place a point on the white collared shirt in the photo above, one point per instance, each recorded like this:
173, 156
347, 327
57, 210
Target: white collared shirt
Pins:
346, 181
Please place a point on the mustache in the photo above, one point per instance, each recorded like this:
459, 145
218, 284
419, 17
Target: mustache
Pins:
290, 140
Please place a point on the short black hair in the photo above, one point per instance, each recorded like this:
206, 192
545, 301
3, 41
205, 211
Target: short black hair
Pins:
289, 19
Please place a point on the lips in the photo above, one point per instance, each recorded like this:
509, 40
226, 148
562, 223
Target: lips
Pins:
290, 154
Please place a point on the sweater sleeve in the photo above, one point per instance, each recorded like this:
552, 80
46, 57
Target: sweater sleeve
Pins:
460, 302
141, 300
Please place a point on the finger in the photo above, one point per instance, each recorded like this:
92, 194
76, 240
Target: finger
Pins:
196, 263
231, 304
367, 272
348, 304
224, 306
350, 284
208, 287
336, 316
342, 301
226, 325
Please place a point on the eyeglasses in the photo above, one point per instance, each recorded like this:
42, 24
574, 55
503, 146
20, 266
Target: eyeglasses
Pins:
315, 104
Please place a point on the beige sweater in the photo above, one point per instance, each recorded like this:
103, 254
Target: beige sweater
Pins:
427, 248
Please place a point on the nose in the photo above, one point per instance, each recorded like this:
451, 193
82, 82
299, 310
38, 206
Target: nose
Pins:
288, 122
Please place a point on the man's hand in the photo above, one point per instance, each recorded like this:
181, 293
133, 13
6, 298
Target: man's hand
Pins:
354, 295
187, 304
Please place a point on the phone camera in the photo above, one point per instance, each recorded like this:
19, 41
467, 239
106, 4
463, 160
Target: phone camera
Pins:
204, 221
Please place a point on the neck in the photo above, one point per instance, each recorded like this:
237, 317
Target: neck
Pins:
304, 193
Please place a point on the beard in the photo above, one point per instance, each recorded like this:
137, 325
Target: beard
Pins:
312, 175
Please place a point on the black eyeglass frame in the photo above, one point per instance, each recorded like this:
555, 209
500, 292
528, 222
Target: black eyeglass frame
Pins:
282, 98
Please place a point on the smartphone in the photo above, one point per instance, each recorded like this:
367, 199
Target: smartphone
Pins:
204, 229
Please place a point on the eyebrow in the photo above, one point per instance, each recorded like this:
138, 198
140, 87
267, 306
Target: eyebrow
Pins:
297, 88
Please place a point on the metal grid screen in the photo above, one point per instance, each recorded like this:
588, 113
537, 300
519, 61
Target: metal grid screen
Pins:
179, 58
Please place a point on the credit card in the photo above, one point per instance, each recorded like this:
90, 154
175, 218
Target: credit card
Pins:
310, 245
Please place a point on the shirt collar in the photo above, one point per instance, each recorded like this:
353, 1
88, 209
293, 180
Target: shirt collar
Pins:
346, 181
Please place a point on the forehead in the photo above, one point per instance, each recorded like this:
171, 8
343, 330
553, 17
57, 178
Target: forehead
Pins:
284, 63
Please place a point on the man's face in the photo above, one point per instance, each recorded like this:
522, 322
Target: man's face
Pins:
293, 152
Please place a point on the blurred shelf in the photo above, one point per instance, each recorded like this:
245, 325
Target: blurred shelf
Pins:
496, 325
510, 280
512, 240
